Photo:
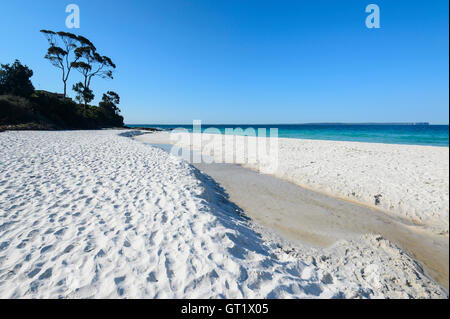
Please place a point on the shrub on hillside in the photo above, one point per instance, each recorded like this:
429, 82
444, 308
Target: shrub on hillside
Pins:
65, 112
21, 105
15, 110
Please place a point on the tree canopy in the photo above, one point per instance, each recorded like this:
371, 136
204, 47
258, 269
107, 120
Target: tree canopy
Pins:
15, 79
109, 109
91, 64
61, 52
68, 51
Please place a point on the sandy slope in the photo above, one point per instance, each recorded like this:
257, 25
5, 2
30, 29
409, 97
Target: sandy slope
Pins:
95, 214
413, 181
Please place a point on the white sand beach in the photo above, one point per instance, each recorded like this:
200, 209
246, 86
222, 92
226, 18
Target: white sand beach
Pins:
96, 214
410, 182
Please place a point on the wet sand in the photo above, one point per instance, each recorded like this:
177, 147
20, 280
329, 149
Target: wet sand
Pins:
316, 219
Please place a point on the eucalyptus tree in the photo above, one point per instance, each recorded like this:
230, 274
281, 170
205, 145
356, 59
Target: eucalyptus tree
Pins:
68, 51
83, 94
61, 52
91, 64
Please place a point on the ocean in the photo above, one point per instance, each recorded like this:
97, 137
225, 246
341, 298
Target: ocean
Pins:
435, 135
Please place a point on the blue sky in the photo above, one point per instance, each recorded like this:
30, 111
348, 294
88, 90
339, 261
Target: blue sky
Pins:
239, 61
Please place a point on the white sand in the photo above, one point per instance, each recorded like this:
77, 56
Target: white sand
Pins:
413, 181
96, 215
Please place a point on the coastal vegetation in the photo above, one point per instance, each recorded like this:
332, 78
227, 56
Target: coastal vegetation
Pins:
23, 107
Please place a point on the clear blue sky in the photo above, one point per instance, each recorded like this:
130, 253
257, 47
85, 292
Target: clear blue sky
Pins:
239, 61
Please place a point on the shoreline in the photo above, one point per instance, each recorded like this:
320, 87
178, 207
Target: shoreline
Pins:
412, 180
151, 130
338, 133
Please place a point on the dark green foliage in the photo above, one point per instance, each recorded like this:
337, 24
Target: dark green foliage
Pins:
110, 112
15, 79
65, 113
85, 42
78, 89
111, 97
15, 110
83, 94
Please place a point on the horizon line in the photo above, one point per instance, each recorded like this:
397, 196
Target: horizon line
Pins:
311, 123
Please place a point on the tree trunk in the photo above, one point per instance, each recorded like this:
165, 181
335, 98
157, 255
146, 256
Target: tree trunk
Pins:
85, 85
64, 81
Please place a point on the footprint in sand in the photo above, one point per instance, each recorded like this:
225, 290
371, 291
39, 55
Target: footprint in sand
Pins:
46, 248
152, 277
118, 281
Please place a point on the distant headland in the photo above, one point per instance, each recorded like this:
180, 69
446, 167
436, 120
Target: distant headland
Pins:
370, 123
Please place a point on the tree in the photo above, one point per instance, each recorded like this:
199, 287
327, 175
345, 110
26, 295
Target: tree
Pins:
78, 88
109, 103
108, 107
111, 97
61, 52
83, 94
91, 64
15, 79
68, 51
85, 52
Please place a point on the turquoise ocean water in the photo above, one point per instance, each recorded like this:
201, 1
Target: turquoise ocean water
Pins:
436, 135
